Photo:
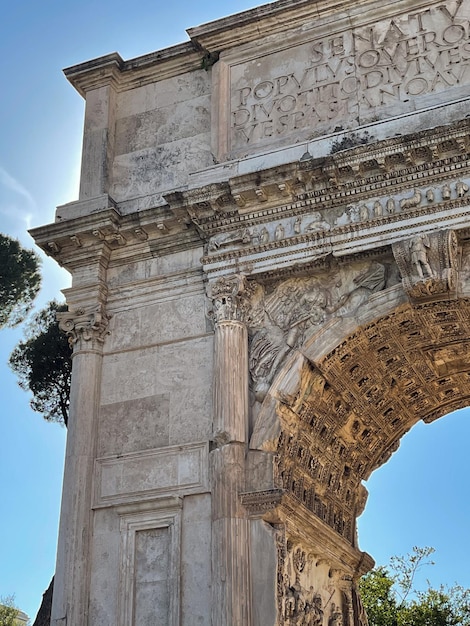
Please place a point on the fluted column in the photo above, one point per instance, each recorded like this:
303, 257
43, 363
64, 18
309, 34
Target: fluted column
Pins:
86, 330
231, 582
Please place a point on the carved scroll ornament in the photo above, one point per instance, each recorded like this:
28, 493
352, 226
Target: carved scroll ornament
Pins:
230, 298
428, 265
85, 327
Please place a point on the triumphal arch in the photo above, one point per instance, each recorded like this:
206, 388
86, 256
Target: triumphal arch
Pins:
270, 286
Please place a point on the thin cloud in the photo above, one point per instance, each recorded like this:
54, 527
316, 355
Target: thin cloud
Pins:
14, 185
13, 209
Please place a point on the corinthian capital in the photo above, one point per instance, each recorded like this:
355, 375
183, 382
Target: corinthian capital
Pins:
85, 328
230, 297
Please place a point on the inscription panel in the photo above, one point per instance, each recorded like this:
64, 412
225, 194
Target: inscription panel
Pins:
363, 74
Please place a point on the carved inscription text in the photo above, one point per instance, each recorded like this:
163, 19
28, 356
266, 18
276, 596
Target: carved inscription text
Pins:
352, 77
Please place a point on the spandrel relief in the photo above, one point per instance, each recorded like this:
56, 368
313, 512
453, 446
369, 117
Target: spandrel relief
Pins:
294, 309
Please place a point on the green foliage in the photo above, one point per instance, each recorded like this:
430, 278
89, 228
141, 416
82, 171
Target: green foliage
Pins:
43, 364
390, 598
19, 281
8, 611
378, 597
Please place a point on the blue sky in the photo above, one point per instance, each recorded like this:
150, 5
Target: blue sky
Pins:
421, 497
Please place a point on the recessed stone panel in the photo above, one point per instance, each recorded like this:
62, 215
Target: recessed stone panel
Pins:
163, 125
152, 473
160, 167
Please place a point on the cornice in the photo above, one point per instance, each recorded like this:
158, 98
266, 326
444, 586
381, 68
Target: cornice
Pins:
269, 20
150, 233
209, 40
123, 75
354, 173
278, 505
405, 178
401, 171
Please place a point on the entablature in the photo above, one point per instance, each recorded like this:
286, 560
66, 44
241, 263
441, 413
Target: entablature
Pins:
290, 216
350, 202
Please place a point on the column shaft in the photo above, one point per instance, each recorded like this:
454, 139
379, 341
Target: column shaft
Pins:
71, 584
231, 585
231, 380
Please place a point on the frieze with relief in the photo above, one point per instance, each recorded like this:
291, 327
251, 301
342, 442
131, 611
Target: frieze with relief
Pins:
397, 64
341, 221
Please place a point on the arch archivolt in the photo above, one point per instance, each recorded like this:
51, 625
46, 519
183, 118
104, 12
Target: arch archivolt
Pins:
349, 385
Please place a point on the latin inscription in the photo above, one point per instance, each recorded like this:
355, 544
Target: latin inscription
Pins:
356, 76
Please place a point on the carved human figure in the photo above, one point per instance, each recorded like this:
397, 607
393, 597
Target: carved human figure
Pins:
446, 192
430, 195
298, 226
370, 280
354, 213
265, 355
461, 188
364, 213
264, 235
290, 602
279, 233
317, 224
336, 617
378, 209
412, 202
419, 256
390, 206
315, 611
227, 239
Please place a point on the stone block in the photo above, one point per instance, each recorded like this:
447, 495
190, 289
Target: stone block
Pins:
133, 425
195, 560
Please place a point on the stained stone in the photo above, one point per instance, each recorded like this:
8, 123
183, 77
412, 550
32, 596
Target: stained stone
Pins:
270, 287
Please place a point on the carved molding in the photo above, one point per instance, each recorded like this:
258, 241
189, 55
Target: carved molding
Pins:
258, 503
85, 328
428, 265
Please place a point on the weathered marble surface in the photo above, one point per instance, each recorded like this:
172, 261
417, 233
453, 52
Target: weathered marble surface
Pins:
270, 280
367, 65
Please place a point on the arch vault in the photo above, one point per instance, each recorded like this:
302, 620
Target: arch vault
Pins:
270, 287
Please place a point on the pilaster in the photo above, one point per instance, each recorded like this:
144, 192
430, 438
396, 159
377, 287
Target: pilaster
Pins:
98, 142
86, 324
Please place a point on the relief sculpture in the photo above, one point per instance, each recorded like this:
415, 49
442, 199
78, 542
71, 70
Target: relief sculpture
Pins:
227, 239
292, 311
428, 264
312, 594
